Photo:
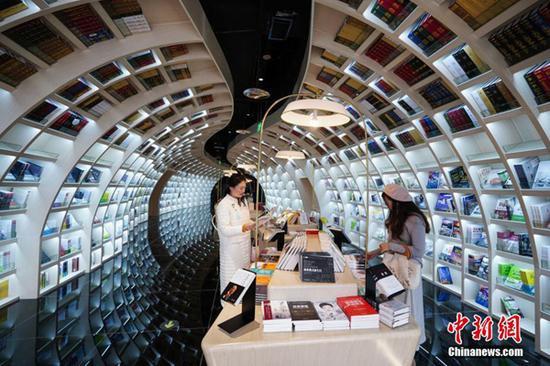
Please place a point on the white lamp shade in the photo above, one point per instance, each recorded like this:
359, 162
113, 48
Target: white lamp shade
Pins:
229, 173
315, 113
290, 154
248, 167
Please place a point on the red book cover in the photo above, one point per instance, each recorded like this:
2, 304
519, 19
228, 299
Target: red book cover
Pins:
355, 306
543, 76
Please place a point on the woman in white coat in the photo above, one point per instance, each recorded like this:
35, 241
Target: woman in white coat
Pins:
234, 225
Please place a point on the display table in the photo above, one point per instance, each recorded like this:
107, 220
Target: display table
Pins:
286, 285
251, 346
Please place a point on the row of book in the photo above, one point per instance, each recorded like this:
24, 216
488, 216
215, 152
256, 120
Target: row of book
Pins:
478, 13
521, 279
464, 64
24, 171
384, 50
392, 119
11, 7
460, 118
386, 87
409, 105
429, 34
85, 24
514, 242
393, 13
12, 199
412, 70
494, 97
533, 173
14, 68
437, 93
478, 265
538, 79
350, 312
410, 138
525, 36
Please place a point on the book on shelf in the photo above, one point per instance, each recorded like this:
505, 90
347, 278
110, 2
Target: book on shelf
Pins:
304, 316
460, 119
429, 34
8, 229
108, 72
513, 242
545, 256
70, 123
7, 262
504, 208
4, 289
127, 15
538, 79
470, 206
435, 180
331, 316
478, 13
276, 316
420, 201
444, 275
437, 93
510, 306
44, 279
92, 176
526, 170
542, 175
412, 70
392, 119
172, 51
409, 105
451, 253
464, 64
41, 112
410, 138
74, 175
392, 13
475, 234
541, 215
450, 228
429, 127
62, 199
360, 313
482, 297
445, 203
24, 171
478, 265
353, 33
11, 7
494, 97
95, 105
491, 178
459, 177
524, 36
85, 24
375, 102
386, 87
383, 50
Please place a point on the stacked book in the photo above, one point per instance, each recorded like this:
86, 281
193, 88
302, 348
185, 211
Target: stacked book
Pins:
477, 13
392, 119
409, 105
392, 12
538, 78
11, 7
70, 123
333, 59
494, 97
464, 64
394, 313
412, 70
276, 316
387, 88
127, 15
122, 90
178, 71
304, 316
75, 90
525, 36
376, 102
437, 93
40, 113
429, 34
331, 316
106, 73
460, 119
429, 127
356, 264
86, 25
513, 242
173, 51
291, 256
410, 137
352, 88
329, 76
359, 312
13, 68
360, 71
38, 37
383, 50
150, 79
95, 105
373, 147
141, 59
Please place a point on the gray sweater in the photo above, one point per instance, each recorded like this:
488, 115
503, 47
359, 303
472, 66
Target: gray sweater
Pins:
414, 233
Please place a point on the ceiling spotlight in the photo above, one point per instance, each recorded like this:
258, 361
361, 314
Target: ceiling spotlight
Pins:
248, 114
256, 93
260, 79
243, 132
266, 57
290, 155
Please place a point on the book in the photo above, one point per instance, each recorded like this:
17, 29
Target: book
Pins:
459, 178
510, 306
435, 180
475, 234
437, 93
304, 316
491, 178
444, 275
526, 171
392, 13
541, 215
470, 206
276, 316
429, 34
360, 313
8, 229
542, 176
445, 203
482, 297
316, 267
237, 287
504, 208
332, 317
513, 279
4, 289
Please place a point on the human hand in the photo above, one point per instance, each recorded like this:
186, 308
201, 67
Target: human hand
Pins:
249, 226
384, 247
373, 253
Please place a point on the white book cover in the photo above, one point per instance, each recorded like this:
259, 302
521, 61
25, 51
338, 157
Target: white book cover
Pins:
330, 312
236, 288
542, 177
275, 312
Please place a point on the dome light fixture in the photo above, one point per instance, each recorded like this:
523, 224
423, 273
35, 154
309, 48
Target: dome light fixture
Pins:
315, 113
248, 167
256, 93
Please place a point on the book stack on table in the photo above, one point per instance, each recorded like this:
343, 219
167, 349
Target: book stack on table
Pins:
394, 313
360, 313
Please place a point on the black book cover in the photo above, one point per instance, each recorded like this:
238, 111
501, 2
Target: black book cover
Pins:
316, 267
302, 310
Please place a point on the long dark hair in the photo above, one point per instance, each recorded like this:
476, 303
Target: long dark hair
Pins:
399, 213
235, 180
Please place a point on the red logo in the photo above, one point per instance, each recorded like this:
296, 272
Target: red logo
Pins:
508, 327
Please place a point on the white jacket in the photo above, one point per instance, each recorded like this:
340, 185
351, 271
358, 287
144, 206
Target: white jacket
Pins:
234, 244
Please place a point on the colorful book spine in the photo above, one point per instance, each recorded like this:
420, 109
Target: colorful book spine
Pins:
429, 34
538, 79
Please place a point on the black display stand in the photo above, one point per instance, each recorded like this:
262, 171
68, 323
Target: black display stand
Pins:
373, 275
248, 311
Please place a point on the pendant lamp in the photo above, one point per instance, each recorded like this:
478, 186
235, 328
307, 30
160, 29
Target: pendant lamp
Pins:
315, 113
